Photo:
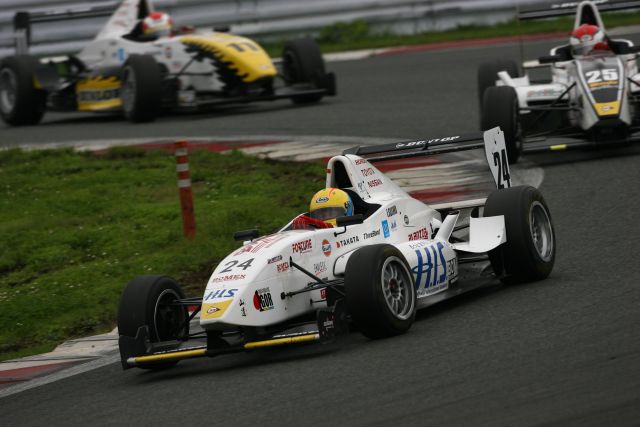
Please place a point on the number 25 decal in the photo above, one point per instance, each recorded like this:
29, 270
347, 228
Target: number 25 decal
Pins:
500, 160
598, 76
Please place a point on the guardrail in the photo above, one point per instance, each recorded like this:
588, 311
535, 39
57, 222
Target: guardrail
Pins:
265, 19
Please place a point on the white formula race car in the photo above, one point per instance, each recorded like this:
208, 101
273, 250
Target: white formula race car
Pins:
590, 99
307, 283
140, 75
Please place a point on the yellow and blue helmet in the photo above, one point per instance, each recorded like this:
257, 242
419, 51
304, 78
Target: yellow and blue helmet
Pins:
329, 204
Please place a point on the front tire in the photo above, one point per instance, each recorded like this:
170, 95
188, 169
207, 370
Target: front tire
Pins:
530, 250
146, 301
500, 108
21, 103
303, 63
141, 91
380, 293
488, 74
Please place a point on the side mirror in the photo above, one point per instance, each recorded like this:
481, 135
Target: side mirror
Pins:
345, 221
246, 235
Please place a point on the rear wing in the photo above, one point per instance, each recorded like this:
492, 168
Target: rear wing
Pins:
586, 12
491, 140
23, 20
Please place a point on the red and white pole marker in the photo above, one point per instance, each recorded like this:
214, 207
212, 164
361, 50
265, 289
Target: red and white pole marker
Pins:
184, 185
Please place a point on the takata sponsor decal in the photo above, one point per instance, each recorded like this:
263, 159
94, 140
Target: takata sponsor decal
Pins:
421, 234
367, 171
360, 161
274, 259
347, 241
371, 235
426, 142
262, 300
326, 247
256, 245
215, 310
391, 211
374, 183
319, 268
385, 228
302, 247
220, 294
283, 267
228, 278
431, 270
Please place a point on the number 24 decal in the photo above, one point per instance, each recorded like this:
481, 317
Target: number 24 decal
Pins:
234, 264
500, 160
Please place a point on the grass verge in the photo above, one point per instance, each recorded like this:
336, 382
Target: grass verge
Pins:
75, 227
355, 35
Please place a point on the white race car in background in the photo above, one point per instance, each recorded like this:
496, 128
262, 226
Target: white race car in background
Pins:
124, 70
306, 282
589, 100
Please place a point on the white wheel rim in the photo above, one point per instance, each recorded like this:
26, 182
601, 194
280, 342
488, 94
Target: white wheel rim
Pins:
8, 90
541, 231
397, 288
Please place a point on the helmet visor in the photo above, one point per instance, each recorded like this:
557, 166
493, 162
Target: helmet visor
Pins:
324, 214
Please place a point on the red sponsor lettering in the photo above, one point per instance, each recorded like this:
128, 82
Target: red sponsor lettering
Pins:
421, 234
283, 267
367, 171
374, 183
304, 246
361, 161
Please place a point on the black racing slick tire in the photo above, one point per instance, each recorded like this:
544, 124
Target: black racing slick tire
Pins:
380, 293
488, 74
302, 62
500, 108
21, 102
529, 253
141, 91
146, 301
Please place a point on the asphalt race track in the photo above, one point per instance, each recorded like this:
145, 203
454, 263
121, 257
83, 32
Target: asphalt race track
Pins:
565, 351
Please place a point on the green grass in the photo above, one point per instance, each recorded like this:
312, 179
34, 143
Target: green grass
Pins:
345, 36
75, 227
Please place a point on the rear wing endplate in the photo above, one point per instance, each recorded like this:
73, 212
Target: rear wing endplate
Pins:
491, 140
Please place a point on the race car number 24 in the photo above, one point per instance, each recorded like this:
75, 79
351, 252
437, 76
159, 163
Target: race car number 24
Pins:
233, 264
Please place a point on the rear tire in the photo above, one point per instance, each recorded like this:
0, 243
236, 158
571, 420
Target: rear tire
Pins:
141, 91
21, 103
529, 252
303, 63
500, 108
145, 301
488, 74
380, 293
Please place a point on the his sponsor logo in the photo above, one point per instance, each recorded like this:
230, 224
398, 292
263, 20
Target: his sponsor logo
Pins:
319, 268
348, 241
426, 142
374, 183
274, 259
220, 294
406, 220
421, 234
385, 228
228, 278
431, 270
283, 267
391, 211
371, 235
323, 199
367, 171
262, 300
361, 161
326, 247
302, 247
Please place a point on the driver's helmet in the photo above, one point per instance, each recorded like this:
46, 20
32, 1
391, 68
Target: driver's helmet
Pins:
157, 24
329, 204
587, 38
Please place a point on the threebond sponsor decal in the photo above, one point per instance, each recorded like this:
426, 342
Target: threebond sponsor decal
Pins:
385, 228
371, 235
215, 310
262, 300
